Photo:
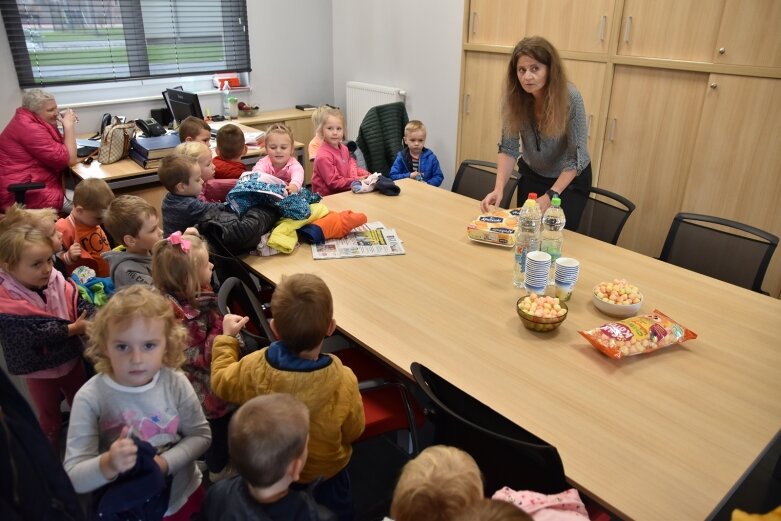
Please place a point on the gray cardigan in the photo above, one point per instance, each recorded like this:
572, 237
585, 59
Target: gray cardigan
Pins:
550, 156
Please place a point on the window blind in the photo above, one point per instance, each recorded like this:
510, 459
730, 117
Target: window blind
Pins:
65, 42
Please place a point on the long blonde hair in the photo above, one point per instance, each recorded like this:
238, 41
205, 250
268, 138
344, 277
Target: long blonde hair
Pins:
175, 267
518, 105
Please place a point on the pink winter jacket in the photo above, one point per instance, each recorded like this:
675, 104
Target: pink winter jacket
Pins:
32, 151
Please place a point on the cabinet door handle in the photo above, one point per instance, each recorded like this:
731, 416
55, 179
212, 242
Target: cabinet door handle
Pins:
588, 125
602, 25
611, 132
627, 28
472, 25
713, 85
466, 104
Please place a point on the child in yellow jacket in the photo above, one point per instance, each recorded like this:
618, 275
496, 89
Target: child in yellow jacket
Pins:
303, 317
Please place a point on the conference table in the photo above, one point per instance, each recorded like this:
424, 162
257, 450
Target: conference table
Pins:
660, 436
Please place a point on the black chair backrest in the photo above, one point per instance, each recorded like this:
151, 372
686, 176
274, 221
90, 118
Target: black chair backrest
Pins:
476, 179
506, 454
717, 252
236, 297
603, 220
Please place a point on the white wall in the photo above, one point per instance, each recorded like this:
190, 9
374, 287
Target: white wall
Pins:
290, 46
411, 44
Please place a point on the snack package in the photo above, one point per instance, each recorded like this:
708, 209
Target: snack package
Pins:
496, 227
637, 335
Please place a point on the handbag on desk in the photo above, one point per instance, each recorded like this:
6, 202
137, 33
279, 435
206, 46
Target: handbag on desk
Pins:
115, 141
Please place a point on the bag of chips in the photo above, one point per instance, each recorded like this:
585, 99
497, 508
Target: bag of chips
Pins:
637, 335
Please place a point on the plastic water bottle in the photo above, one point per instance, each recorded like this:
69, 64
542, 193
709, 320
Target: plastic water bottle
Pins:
226, 103
552, 225
527, 237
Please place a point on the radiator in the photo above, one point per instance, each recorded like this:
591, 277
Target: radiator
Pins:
363, 96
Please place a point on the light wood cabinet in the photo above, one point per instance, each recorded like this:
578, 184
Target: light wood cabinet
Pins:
648, 148
675, 29
497, 22
572, 25
743, 183
480, 105
304, 131
588, 77
750, 33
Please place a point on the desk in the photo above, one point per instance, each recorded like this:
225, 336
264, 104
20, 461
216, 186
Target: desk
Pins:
662, 436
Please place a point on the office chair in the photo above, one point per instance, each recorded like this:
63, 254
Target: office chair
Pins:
380, 135
506, 454
739, 258
20, 190
387, 403
476, 179
602, 219
236, 297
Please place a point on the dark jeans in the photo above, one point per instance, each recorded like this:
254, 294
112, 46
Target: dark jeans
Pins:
573, 199
334, 493
217, 454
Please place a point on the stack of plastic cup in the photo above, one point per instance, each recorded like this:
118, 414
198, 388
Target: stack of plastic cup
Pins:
565, 276
537, 270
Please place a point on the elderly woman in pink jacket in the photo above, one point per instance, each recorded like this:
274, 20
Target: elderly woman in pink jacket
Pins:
32, 150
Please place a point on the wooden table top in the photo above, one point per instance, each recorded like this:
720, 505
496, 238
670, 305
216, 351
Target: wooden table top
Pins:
659, 436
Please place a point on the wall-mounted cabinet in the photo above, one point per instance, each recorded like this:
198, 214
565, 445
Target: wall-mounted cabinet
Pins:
496, 22
572, 25
750, 34
674, 29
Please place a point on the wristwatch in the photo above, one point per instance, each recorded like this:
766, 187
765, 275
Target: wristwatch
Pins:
551, 194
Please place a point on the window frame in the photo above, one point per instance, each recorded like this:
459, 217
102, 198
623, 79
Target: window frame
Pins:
136, 45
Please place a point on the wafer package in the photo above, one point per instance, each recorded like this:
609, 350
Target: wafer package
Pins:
496, 227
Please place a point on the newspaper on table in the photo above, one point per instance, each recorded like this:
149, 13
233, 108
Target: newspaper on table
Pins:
368, 240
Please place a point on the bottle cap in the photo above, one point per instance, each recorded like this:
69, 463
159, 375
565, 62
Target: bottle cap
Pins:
532, 195
555, 201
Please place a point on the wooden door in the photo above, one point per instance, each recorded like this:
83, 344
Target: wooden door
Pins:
497, 22
675, 29
735, 166
650, 133
480, 105
572, 25
589, 78
750, 33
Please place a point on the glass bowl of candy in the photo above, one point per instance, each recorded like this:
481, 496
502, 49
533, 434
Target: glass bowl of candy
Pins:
540, 313
617, 298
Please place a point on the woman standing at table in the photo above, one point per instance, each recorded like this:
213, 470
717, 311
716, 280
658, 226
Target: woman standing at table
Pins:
32, 150
544, 129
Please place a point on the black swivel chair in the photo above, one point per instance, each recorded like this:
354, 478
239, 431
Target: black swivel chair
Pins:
506, 453
236, 297
20, 190
603, 219
476, 179
720, 248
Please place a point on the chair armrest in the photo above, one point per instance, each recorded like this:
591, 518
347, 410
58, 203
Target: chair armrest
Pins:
20, 189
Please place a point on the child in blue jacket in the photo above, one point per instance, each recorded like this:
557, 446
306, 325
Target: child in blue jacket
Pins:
415, 160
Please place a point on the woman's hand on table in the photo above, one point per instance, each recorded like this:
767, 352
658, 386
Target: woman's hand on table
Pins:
492, 199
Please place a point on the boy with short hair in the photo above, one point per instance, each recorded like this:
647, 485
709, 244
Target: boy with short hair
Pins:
267, 440
181, 176
134, 224
230, 149
91, 197
415, 160
303, 317
195, 129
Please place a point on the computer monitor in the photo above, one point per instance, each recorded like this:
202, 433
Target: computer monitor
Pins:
182, 104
